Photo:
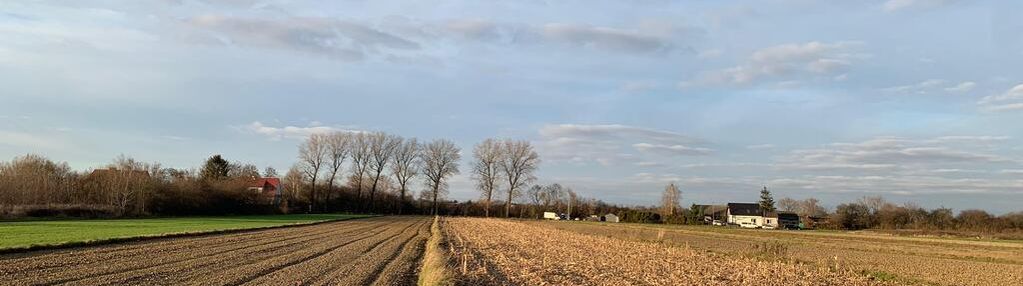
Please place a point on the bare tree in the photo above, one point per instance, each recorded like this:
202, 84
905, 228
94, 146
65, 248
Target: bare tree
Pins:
789, 205
486, 169
535, 195
337, 152
551, 195
312, 153
570, 197
440, 160
520, 161
670, 200
293, 181
404, 166
242, 170
127, 182
270, 172
360, 160
381, 148
812, 207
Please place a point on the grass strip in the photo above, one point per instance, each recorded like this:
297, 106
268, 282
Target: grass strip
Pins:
435, 270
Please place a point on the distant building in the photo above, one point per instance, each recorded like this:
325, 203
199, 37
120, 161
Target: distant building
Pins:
746, 215
770, 220
788, 220
609, 218
269, 190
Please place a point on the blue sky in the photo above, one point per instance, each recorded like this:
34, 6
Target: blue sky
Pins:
914, 100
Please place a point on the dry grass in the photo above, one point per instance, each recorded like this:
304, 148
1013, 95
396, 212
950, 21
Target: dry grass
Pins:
502, 252
907, 260
435, 270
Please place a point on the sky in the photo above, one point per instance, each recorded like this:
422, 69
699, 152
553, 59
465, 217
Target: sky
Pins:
913, 100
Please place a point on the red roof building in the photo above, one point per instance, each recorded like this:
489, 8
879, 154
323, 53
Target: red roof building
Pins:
269, 189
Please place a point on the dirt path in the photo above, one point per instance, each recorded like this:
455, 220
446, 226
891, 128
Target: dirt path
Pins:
378, 251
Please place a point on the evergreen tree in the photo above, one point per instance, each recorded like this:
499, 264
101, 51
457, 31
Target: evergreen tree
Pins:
766, 200
215, 169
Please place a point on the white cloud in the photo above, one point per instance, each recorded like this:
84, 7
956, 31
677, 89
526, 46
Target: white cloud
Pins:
897, 5
784, 62
962, 87
888, 154
609, 144
332, 37
932, 86
760, 146
645, 38
1009, 100
605, 38
905, 185
29, 141
649, 164
961, 138
671, 149
614, 131
289, 132
922, 87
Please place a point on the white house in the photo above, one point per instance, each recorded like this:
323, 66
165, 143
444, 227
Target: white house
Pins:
746, 215
609, 218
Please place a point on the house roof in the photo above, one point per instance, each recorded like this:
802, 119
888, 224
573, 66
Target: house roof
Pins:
744, 209
260, 182
788, 215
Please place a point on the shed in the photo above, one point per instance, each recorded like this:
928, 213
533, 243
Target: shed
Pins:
609, 218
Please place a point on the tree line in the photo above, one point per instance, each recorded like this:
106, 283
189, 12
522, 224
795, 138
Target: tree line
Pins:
35, 186
871, 212
382, 169
376, 172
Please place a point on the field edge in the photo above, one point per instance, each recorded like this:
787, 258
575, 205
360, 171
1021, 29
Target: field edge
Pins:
116, 240
434, 271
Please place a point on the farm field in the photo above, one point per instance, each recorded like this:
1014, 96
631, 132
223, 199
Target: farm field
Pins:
371, 251
908, 260
22, 234
505, 252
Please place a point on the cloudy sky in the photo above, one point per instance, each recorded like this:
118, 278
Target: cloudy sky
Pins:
915, 100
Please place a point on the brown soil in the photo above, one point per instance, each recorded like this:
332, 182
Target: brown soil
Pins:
374, 251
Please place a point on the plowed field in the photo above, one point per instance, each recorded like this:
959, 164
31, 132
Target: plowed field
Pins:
373, 251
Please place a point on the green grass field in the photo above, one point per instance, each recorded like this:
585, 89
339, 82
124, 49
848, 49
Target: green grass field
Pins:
26, 234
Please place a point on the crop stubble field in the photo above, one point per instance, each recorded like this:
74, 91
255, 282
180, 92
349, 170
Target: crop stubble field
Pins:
497, 252
372, 251
909, 260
